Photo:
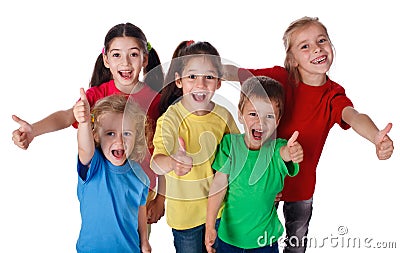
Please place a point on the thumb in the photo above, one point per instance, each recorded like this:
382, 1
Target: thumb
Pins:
293, 139
83, 95
22, 123
182, 145
382, 133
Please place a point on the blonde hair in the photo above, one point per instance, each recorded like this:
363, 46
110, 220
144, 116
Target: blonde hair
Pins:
121, 104
287, 42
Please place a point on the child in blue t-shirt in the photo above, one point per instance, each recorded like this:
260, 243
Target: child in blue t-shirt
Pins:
251, 168
112, 187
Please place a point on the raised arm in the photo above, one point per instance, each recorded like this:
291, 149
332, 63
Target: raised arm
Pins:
364, 126
86, 146
26, 132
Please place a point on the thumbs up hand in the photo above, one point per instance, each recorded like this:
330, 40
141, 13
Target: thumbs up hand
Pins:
181, 163
82, 109
22, 136
383, 144
293, 151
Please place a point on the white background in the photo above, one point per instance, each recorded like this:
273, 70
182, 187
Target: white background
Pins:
48, 50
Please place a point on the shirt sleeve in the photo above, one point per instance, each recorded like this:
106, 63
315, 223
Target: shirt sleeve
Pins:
339, 101
223, 160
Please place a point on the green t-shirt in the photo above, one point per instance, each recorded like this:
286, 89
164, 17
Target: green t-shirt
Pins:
249, 218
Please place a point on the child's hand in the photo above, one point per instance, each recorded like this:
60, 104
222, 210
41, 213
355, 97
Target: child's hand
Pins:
155, 209
295, 149
22, 136
82, 109
210, 236
182, 164
145, 246
383, 143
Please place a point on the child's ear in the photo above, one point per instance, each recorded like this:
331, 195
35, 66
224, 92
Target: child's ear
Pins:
105, 61
240, 117
96, 137
219, 83
145, 61
178, 80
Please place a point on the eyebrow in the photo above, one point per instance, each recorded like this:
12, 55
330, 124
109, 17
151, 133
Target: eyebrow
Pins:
118, 49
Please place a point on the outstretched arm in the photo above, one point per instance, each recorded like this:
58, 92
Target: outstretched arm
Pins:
86, 146
216, 196
26, 132
364, 126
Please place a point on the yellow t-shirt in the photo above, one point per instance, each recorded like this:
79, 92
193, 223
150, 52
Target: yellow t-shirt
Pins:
186, 195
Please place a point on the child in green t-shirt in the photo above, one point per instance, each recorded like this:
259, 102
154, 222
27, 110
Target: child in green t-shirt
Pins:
251, 168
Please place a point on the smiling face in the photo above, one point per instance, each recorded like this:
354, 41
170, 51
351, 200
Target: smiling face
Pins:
125, 59
198, 82
116, 142
260, 119
311, 53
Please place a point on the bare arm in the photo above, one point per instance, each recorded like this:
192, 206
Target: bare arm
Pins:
216, 196
364, 126
156, 207
86, 146
26, 132
142, 229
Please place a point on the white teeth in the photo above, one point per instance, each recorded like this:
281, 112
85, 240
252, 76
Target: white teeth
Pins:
319, 60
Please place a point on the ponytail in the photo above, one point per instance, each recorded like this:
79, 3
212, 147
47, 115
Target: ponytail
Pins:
100, 74
153, 73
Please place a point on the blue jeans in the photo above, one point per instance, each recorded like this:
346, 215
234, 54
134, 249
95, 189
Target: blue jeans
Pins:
224, 247
297, 219
191, 240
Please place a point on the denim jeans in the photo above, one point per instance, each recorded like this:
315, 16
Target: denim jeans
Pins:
297, 219
224, 247
191, 240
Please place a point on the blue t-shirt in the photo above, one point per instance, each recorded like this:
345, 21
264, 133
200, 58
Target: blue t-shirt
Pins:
109, 198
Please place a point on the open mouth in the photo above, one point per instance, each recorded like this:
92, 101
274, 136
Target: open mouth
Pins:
319, 60
199, 96
257, 134
125, 74
118, 154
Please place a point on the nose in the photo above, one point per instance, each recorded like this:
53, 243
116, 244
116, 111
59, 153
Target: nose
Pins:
317, 49
200, 81
125, 59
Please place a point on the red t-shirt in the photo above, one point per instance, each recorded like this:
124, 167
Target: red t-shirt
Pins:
311, 110
147, 98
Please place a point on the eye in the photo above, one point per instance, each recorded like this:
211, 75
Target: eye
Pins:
304, 46
127, 134
252, 114
270, 116
192, 76
322, 40
116, 55
210, 77
135, 54
110, 133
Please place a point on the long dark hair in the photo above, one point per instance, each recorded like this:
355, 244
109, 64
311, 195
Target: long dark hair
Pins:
101, 74
171, 93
